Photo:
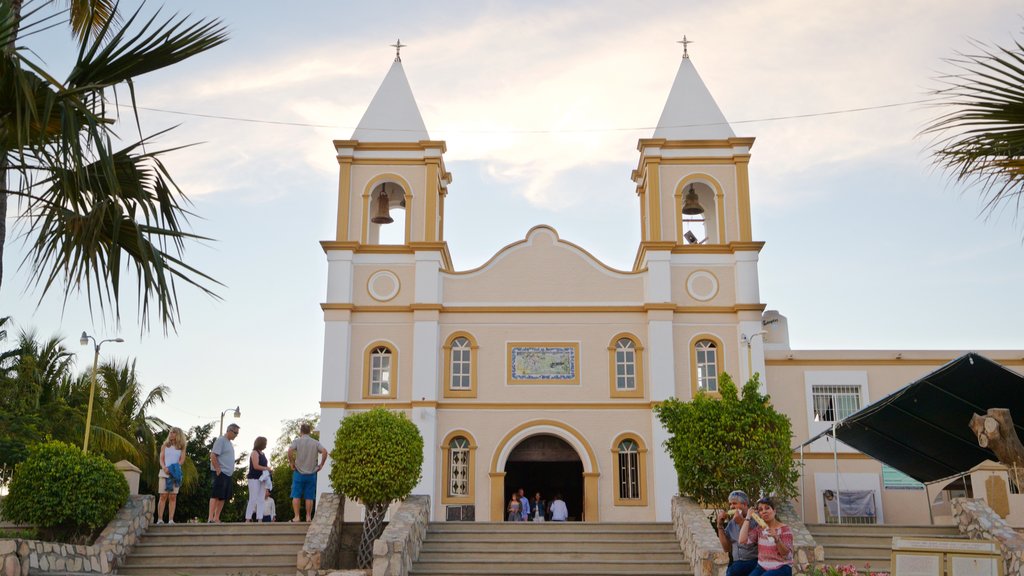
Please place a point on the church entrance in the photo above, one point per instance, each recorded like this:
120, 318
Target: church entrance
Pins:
549, 465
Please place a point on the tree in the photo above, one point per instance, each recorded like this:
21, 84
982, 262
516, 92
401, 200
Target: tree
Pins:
95, 212
378, 458
980, 137
728, 443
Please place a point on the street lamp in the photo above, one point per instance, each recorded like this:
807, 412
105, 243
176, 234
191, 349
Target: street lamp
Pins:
92, 387
237, 414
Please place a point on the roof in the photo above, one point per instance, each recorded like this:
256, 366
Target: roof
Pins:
922, 429
392, 115
690, 112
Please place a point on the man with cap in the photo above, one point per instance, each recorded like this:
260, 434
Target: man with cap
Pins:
744, 556
222, 465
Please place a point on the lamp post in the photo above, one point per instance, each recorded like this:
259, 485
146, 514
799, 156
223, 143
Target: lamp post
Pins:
92, 386
237, 414
748, 340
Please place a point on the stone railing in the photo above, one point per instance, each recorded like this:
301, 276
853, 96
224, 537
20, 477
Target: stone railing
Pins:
697, 538
18, 556
979, 522
806, 552
321, 550
399, 545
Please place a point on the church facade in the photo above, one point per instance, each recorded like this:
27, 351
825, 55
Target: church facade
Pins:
540, 368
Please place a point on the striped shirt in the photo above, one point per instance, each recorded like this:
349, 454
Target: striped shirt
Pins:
768, 556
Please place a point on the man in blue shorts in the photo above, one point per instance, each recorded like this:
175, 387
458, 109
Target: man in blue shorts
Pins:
302, 456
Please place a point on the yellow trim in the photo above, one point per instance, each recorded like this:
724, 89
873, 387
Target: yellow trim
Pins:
472, 405
638, 368
695, 144
716, 186
558, 240
575, 369
430, 215
654, 199
470, 466
446, 383
590, 479
344, 198
735, 309
421, 145
393, 377
830, 456
368, 200
858, 362
641, 463
743, 197
730, 248
643, 214
719, 362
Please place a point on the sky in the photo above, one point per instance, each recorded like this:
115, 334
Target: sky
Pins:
868, 245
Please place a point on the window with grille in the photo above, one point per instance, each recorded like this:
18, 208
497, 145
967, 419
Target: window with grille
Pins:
629, 470
458, 467
461, 364
625, 365
706, 353
833, 403
380, 371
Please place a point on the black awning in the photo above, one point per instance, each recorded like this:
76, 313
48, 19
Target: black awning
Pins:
922, 429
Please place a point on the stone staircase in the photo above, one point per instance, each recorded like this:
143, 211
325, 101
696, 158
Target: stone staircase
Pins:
863, 544
518, 548
235, 549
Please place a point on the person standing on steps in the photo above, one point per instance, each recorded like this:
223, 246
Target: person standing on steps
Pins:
744, 555
302, 456
257, 467
172, 457
222, 465
538, 510
559, 513
524, 505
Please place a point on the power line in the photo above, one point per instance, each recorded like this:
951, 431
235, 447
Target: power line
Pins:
543, 131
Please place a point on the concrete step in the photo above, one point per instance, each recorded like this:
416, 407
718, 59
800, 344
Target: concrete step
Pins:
253, 559
459, 566
281, 570
165, 549
866, 546
450, 545
882, 529
553, 555
518, 527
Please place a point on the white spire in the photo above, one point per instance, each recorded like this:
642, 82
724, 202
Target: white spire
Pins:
392, 115
690, 112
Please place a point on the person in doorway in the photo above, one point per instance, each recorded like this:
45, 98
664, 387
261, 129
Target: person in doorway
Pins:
559, 513
269, 508
744, 556
774, 541
537, 509
222, 465
513, 508
302, 456
172, 458
524, 505
257, 468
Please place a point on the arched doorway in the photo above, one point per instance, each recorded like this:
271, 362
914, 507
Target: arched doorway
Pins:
547, 464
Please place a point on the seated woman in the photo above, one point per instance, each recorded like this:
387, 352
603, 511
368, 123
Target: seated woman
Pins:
774, 541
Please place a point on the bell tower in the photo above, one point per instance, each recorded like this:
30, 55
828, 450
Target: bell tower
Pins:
391, 173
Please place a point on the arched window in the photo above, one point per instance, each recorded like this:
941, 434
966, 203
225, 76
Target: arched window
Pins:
460, 366
381, 374
629, 458
458, 467
457, 452
626, 367
706, 361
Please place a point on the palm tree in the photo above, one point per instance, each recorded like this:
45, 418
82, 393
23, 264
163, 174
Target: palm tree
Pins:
94, 211
980, 139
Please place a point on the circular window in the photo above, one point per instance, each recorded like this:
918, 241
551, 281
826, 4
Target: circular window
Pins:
383, 285
702, 285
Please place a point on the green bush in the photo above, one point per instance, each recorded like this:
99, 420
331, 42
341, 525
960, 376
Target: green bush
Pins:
729, 443
67, 494
378, 457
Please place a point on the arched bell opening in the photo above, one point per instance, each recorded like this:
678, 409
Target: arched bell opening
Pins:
388, 204
699, 214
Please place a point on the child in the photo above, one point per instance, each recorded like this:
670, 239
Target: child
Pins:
269, 509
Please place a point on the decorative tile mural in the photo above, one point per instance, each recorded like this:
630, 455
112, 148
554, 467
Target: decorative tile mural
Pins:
543, 362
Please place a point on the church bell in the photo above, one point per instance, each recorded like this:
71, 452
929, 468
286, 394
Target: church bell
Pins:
383, 214
691, 205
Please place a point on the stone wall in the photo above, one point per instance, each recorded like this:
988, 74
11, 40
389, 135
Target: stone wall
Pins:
322, 548
18, 557
806, 552
975, 519
697, 538
399, 545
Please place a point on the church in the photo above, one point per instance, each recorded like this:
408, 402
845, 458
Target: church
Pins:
539, 369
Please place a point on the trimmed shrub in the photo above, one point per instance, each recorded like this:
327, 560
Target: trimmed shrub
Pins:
69, 495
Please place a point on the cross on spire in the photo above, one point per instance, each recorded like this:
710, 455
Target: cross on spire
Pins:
685, 43
398, 49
